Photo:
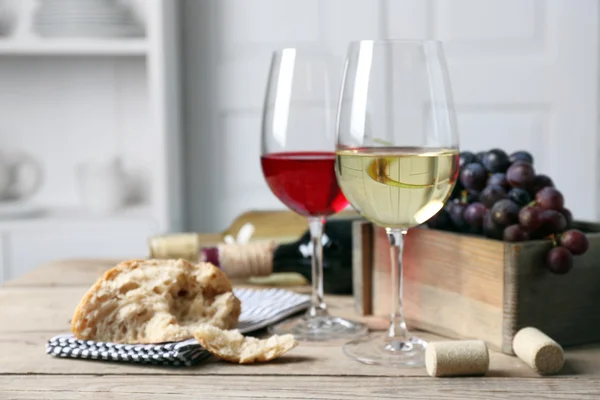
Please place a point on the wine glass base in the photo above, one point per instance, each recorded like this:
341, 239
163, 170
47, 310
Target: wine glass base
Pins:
381, 351
319, 328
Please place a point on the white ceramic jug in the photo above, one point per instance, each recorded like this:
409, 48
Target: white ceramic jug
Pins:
102, 185
20, 177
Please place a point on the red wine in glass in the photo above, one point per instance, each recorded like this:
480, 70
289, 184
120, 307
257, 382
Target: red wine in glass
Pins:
305, 181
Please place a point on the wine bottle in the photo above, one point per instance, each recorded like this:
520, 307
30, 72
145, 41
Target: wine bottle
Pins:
264, 258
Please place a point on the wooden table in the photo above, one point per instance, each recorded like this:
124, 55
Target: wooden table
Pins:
39, 305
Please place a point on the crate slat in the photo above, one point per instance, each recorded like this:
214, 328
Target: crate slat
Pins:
470, 287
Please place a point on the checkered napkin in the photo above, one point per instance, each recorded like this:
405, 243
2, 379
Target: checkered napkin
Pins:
260, 308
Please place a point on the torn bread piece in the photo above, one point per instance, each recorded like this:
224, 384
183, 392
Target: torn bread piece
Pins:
233, 346
155, 301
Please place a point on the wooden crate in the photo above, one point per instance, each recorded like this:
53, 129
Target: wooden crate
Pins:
465, 286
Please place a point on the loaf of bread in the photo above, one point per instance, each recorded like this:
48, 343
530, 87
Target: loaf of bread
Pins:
233, 346
155, 301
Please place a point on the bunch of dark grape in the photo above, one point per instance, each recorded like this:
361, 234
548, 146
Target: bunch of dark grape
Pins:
502, 197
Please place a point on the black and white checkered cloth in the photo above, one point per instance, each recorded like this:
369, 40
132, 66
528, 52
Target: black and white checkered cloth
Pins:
260, 308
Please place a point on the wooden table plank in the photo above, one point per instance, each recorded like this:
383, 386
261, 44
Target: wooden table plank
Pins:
297, 387
38, 309
24, 353
50, 308
39, 305
75, 272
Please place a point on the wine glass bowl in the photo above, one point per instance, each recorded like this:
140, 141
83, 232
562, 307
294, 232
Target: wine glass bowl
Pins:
298, 159
397, 160
397, 187
304, 181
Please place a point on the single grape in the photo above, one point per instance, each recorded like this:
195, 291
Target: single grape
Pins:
520, 175
540, 182
474, 214
568, 217
575, 241
515, 233
466, 157
440, 221
551, 222
473, 176
519, 196
550, 199
521, 156
457, 211
499, 178
490, 228
559, 260
491, 195
480, 156
529, 218
496, 160
505, 212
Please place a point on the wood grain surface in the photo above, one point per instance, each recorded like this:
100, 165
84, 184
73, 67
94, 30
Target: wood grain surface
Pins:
291, 388
39, 305
566, 307
458, 297
470, 287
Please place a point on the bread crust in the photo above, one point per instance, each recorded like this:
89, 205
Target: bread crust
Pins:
212, 284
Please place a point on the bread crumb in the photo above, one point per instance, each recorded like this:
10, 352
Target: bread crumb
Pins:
233, 346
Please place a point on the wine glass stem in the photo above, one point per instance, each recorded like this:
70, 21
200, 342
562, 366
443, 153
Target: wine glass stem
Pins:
397, 331
318, 307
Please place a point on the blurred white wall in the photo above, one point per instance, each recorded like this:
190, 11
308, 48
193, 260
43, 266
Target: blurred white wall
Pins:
524, 74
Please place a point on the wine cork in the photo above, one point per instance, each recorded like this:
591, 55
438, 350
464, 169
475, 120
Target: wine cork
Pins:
538, 350
457, 358
245, 260
181, 245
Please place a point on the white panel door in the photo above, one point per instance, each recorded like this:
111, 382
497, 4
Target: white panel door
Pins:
525, 76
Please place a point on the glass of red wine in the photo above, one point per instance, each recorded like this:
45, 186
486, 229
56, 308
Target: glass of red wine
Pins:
298, 158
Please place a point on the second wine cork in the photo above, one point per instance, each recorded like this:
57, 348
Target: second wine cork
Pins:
538, 350
457, 358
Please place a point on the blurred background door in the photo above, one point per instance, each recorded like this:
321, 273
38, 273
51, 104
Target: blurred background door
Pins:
525, 76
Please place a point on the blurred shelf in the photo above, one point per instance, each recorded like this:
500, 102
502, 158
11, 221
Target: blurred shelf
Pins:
67, 46
78, 218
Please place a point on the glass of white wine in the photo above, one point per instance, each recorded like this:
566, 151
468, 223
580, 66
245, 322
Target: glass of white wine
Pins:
396, 160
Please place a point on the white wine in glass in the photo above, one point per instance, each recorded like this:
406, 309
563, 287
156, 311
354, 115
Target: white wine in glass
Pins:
397, 187
397, 160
